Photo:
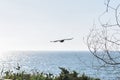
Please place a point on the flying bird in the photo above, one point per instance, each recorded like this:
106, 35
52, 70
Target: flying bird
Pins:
62, 40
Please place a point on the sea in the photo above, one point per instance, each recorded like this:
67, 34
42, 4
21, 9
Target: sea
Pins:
50, 61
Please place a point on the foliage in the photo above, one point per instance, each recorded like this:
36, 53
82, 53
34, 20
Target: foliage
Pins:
64, 75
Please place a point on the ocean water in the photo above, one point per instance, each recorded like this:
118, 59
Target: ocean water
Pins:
50, 61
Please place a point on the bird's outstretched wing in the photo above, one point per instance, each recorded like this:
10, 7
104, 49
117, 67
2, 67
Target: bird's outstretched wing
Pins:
68, 39
55, 41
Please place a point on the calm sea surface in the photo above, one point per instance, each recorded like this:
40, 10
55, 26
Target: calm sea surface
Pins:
50, 61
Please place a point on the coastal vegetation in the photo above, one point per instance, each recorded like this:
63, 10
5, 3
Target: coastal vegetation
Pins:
64, 75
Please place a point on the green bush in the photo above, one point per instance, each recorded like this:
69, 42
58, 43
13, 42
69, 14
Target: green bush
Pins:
64, 75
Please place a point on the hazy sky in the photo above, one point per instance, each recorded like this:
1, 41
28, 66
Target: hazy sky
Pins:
32, 24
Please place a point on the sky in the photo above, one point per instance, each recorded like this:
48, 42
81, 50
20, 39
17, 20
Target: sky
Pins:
32, 24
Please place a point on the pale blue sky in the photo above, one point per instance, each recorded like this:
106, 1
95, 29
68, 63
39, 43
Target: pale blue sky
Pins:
31, 24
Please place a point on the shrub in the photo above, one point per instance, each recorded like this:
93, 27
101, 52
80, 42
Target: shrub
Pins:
64, 75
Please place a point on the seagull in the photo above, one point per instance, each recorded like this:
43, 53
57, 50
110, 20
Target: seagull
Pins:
62, 40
